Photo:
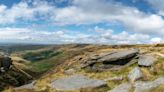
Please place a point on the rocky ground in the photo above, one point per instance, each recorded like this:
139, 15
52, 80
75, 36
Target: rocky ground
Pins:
91, 68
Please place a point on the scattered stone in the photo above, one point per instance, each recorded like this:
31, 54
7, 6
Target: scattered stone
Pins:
117, 78
135, 74
125, 87
142, 86
76, 82
146, 60
70, 71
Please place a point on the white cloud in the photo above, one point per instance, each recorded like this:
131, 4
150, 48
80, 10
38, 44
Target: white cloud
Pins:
23, 11
102, 11
105, 36
156, 40
158, 5
83, 12
29, 36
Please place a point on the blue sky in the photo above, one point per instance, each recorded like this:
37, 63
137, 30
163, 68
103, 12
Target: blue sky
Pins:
82, 21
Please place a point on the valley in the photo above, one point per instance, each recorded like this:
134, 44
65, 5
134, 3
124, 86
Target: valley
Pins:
109, 67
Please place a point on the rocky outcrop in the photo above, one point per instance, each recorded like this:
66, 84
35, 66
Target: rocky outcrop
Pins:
142, 86
5, 63
125, 87
10, 75
146, 60
120, 55
135, 74
76, 82
12, 78
111, 60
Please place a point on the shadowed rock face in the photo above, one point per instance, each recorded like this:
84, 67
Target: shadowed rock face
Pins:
76, 82
10, 76
5, 62
111, 60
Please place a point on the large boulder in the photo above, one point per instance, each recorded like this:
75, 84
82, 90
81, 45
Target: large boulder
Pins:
76, 82
125, 87
146, 60
142, 86
135, 74
111, 60
120, 55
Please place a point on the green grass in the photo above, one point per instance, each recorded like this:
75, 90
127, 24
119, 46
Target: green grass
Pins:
47, 64
37, 56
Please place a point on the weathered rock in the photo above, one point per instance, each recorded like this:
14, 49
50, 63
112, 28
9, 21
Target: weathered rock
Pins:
76, 82
109, 60
5, 62
141, 86
98, 56
69, 71
146, 60
120, 55
26, 86
125, 87
135, 74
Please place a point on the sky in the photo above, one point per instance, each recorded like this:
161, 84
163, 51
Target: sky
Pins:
82, 21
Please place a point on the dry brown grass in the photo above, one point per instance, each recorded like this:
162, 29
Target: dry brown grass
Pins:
158, 89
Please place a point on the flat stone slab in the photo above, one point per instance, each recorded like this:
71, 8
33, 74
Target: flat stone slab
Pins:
112, 57
146, 60
119, 55
125, 87
76, 82
142, 86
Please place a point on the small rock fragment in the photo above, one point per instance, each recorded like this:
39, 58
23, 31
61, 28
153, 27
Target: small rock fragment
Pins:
125, 87
135, 74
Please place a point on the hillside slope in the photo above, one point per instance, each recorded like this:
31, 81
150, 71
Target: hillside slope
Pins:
62, 61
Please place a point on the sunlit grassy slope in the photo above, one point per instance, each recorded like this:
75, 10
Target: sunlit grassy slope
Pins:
50, 63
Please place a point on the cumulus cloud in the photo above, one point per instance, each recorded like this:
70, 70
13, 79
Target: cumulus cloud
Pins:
23, 11
158, 5
139, 26
133, 19
156, 40
29, 35
105, 36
